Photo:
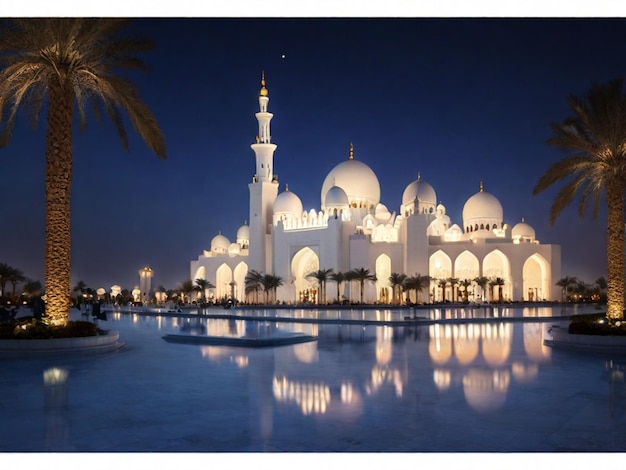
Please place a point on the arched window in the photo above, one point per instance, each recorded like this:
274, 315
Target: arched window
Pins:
482, 226
476, 227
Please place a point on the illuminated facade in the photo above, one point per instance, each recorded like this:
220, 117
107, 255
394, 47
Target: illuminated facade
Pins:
352, 229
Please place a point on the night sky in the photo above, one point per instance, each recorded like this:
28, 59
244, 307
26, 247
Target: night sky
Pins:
458, 100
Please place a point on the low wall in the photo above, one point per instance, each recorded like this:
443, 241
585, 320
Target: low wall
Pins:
87, 344
561, 338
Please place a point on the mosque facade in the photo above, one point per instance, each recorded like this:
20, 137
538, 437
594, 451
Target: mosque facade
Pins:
353, 230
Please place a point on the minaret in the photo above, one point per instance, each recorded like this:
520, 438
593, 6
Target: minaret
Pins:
263, 190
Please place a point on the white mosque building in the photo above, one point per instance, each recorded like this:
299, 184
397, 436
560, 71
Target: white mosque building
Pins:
352, 229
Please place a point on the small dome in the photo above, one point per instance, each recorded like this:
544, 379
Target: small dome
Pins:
523, 231
482, 208
357, 180
288, 203
382, 213
336, 198
243, 233
219, 244
234, 249
420, 190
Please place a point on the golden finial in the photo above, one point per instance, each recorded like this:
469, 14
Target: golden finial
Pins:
481, 186
257, 139
286, 188
419, 176
351, 157
263, 91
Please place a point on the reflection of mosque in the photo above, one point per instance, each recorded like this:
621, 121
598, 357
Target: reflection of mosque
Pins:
353, 229
474, 358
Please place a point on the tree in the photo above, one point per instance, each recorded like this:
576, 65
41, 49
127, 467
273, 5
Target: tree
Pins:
5, 274
565, 283
465, 283
338, 278
595, 138
321, 276
396, 280
32, 288
417, 283
362, 275
482, 282
270, 283
252, 283
349, 276
203, 284
187, 287
497, 281
15, 277
453, 281
67, 62
442, 283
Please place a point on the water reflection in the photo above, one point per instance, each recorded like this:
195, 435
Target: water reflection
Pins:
55, 406
474, 358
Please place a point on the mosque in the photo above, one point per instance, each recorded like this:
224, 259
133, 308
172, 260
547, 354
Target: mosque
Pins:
353, 229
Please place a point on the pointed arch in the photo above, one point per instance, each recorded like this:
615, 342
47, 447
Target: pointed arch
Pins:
497, 265
383, 271
200, 273
466, 266
239, 276
305, 261
536, 278
439, 267
223, 278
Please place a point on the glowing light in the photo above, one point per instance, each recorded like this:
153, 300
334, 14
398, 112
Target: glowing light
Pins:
54, 376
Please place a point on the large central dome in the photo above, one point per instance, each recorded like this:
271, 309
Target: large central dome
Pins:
482, 210
357, 180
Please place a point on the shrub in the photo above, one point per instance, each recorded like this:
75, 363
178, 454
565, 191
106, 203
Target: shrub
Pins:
31, 328
595, 324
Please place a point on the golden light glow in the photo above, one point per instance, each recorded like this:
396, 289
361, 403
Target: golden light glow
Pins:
442, 379
312, 398
54, 376
486, 390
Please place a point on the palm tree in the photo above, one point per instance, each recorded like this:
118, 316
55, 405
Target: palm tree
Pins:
80, 288
417, 283
595, 136
15, 277
270, 283
442, 283
396, 280
349, 276
482, 282
565, 283
5, 274
187, 287
32, 287
203, 284
69, 61
453, 281
321, 276
497, 281
465, 283
253, 283
338, 278
362, 275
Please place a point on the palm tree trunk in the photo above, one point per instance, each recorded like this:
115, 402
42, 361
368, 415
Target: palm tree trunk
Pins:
58, 189
615, 249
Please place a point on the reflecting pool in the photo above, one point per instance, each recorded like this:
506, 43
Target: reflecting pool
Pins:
428, 386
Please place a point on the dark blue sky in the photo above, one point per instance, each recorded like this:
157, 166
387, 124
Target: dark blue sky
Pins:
459, 100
